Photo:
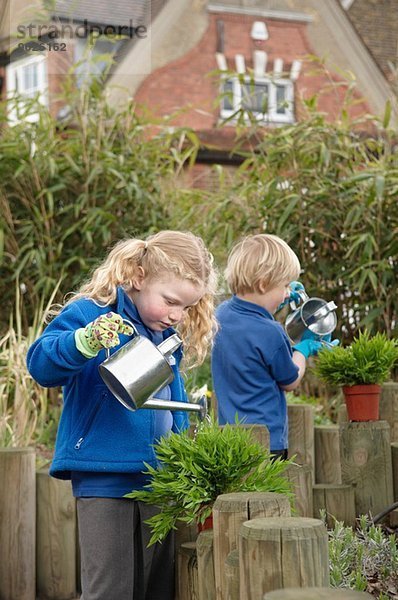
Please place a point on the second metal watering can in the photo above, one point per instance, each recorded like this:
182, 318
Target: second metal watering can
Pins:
315, 315
140, 369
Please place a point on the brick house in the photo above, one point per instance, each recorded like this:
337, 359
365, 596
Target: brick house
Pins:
259, 49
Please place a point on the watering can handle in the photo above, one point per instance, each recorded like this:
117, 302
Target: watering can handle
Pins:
107, 350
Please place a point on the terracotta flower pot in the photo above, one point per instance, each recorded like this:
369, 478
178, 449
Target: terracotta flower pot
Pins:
362, 402
207, 524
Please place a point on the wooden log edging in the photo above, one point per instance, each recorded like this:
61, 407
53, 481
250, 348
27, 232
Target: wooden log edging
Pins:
389, 407
282, 552
204, 552
327, 454
316, 593
18, 523
365, 454
338, 500
301, 476
188, 571
301, 434
56, 547
229, 512
232, 576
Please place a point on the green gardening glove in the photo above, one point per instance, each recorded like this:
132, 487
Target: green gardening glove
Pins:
101, 333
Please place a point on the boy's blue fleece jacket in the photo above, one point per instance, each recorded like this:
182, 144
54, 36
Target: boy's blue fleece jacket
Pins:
96, 432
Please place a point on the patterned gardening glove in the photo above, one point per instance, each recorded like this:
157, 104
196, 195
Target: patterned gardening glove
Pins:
101, 333
294, 296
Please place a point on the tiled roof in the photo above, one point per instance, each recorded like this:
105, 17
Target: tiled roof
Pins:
104, 12
377, 24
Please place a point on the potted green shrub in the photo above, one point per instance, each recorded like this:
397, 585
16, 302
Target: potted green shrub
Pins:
194, 471
360, 369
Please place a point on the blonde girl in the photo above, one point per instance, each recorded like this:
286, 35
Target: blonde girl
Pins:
160, 283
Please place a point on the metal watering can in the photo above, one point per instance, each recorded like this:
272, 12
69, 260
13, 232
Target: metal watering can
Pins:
139, 369
314, 314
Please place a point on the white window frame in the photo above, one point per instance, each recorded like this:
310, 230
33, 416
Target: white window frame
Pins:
271, 116
14, 84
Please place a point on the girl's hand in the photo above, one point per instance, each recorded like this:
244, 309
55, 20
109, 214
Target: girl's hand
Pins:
101, 333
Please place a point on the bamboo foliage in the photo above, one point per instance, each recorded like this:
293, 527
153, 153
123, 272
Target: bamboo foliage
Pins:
330, 190
69, 189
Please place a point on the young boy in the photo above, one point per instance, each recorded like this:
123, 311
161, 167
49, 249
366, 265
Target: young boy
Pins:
253, 363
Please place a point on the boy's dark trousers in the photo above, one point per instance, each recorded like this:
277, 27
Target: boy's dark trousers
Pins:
282, 454
116, 563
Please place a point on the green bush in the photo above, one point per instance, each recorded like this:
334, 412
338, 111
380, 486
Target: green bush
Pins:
364, 559
367, 360
192, 472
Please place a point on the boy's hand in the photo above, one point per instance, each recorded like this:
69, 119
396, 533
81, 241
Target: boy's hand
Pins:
101, 333
311, 343
294, 296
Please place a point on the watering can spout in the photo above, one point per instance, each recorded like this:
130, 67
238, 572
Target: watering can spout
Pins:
198, 407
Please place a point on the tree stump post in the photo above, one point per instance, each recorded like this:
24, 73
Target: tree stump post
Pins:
301, 433
229, 512
301, 478
232, 576
327, 450
56, 538
282, 552
188, 572
388, 410
365, 453
204, 551
338, 500
394, 460
184, 533
18, 524
316, 593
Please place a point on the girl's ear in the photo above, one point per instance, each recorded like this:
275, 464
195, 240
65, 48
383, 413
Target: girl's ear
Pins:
138, 278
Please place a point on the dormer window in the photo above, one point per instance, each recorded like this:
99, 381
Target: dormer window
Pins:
267, 99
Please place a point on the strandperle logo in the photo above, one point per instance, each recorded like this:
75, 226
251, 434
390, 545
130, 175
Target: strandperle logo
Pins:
54, 31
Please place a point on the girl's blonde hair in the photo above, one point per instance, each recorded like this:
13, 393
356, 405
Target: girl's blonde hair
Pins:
259, 263
181, 253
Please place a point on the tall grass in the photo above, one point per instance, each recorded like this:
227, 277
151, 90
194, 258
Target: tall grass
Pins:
27, 411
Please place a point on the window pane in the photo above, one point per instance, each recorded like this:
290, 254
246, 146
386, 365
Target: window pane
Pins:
281, 100
30, 79
255, 97
227, 95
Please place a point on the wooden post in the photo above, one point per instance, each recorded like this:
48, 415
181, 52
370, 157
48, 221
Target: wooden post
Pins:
188, 571
388, 410
229, 512
184, 533
260, 432
342, 416
365, 453
282, 552
232, 576
18, 524
301, 433
316, 594
204, 551
338, 500
301, 478
394, 459
327, 453
56, 538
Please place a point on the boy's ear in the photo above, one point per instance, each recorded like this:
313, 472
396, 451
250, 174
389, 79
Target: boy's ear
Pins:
138, 278
262, 287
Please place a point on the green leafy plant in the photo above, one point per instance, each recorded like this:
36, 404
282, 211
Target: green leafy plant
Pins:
364, 559
193, 472
368, 360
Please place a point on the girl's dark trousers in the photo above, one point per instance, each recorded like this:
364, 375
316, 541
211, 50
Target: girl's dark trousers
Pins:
116, 563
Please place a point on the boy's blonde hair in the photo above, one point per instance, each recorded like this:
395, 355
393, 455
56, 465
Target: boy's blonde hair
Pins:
259, 263
181, 253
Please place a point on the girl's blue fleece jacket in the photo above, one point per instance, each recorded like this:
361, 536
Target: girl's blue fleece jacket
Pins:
96, 433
